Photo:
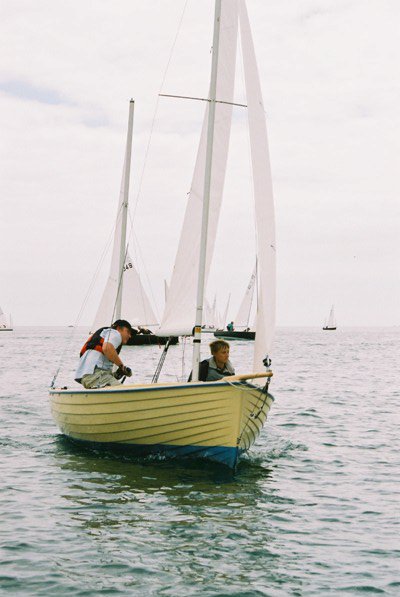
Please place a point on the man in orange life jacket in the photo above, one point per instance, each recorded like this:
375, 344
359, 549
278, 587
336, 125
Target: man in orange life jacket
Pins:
100, 353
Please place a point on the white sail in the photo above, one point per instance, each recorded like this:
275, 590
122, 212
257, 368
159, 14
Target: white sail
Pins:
180, 309
135, 305
210, 314
165, 290
3, 319
4, 324
264, 203
243, 316
331, 323
224, 316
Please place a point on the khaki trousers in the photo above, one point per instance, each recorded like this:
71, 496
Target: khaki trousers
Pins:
99, 379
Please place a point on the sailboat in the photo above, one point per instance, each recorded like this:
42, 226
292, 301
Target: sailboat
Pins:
242, 330
217, 420
331, 321
211, 317
124, 295
5, 326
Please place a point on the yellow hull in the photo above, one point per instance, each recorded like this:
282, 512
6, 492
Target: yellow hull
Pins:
216, 420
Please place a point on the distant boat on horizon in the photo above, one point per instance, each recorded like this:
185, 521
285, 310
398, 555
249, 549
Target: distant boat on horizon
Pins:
5, 326
331, 322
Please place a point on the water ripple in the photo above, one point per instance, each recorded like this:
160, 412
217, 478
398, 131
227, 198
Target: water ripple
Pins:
312, 509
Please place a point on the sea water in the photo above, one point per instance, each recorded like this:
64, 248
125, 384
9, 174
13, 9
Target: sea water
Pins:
313, 509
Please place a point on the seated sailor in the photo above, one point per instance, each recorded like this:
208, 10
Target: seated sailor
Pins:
100, 353
218, 365
230, 327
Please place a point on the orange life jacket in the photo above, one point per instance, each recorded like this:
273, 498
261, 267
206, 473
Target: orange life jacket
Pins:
95, 342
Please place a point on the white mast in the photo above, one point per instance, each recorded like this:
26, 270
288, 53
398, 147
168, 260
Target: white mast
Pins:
206, 195
124, 215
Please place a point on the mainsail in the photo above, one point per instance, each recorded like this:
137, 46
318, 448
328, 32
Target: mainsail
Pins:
179, 314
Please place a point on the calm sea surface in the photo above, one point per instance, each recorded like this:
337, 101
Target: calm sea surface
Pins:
312, 510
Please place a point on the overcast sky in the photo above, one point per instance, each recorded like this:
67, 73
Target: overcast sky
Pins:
331, 82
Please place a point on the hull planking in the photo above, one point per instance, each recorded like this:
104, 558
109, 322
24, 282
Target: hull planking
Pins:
217, 421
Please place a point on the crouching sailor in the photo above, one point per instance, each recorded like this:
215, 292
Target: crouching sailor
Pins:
100, 353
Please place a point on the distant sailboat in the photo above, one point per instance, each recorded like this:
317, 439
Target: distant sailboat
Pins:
5, 326
331, 322
242, 330
210, 317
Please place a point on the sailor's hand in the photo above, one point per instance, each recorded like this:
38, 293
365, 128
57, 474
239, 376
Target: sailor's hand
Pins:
126, 371
123, 371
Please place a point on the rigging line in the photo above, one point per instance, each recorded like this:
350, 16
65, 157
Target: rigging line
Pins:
161, 362
100, 263
121, 273
136, 201
263, 391
69, 339
201, 99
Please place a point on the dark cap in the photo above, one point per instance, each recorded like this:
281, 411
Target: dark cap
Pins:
121, 323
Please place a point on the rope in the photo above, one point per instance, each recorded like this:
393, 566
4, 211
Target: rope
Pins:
69, 339
252, 416
94, 278
156, 110
161, 362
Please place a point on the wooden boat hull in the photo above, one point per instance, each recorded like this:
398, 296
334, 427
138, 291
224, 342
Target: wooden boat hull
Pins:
217, 421
148, 339
226, 335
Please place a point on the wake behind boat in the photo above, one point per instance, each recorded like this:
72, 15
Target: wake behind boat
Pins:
213, 420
